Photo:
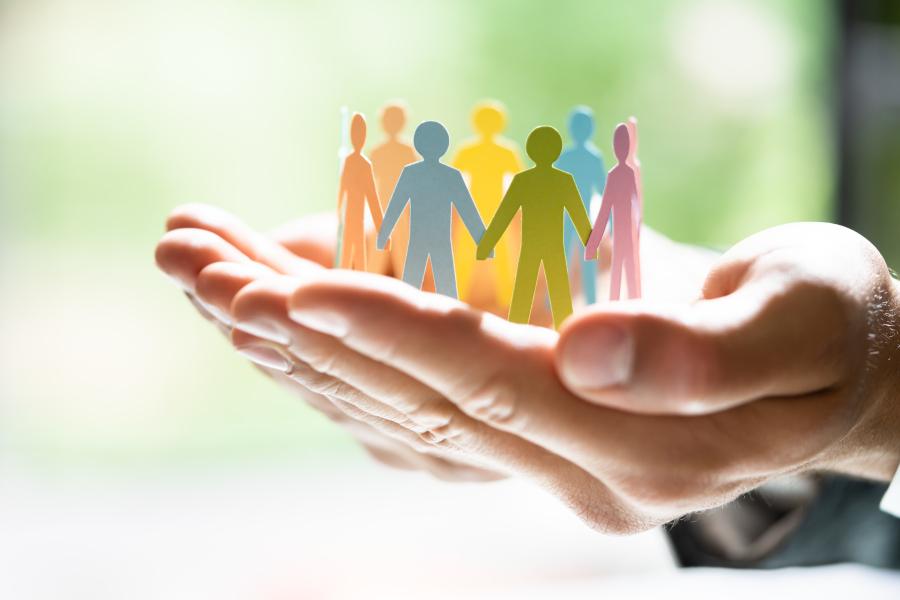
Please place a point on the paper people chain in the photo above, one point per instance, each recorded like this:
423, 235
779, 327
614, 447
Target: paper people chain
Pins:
431, 189
388, 160
583, 160
560, 183
357, 187
543, 194
486, 160
619, 204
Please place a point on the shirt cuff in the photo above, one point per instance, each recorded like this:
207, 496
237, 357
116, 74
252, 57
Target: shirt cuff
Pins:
891, 501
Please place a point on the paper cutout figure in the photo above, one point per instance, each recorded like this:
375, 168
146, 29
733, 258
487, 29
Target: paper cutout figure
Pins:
432, 189
388, 160
585, 162
635, 163
357, 188
543, 193
343, 151
486, 160
619, 204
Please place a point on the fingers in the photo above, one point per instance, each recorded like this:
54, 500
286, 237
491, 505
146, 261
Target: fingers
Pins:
769, 336
313, 238
496, 372
387, 394
252, 244
183, 253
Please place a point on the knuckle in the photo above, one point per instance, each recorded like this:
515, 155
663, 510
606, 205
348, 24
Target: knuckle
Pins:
493, 400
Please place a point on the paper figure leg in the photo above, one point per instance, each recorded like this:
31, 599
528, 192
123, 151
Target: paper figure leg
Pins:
615, 273
523, 292
414, 271
464, 257
444, 275
588, 268
399, 243
504, 268
631, 275
347, 249
558, 288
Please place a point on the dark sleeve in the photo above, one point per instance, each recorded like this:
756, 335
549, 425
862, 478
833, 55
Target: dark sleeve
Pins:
841, 523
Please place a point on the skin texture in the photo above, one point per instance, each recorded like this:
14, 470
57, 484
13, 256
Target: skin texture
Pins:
777, 357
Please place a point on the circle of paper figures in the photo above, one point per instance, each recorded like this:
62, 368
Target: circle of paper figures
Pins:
412, 203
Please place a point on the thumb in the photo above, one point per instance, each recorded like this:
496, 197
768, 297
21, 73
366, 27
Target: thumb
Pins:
773, 336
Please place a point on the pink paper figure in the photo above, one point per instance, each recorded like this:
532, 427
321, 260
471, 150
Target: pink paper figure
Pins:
635, 163
619, 200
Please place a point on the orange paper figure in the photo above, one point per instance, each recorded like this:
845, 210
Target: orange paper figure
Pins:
619, 203
356, 189
486, 160
635, 163
543, 193
388, 160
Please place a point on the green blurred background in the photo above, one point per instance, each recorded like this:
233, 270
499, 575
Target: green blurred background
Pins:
114, 111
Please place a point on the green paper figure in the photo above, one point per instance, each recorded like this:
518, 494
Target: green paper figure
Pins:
543, 193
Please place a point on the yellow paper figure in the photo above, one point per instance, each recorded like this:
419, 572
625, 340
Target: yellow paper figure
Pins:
388, 160
544, 194
485, 161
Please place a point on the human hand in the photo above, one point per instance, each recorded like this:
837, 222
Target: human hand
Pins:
212, 256
779, 365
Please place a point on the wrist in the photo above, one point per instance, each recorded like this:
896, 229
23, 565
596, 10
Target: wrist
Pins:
873, 446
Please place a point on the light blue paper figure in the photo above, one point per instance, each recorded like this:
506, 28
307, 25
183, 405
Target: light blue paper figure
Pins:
585, 163
431, 188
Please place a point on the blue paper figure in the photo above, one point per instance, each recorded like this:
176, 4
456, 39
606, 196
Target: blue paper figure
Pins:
431, 188
583, 160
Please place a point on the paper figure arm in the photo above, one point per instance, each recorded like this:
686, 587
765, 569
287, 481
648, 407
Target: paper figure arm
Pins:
465, 208
395, 208
372, 198
508, 208
593, 243
577, 212
342, 193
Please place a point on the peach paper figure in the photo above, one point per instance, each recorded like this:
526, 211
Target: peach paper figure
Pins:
619, 204
544, 194
356, 189
486, 160
635, 163
388, 160
432, 190
585, 162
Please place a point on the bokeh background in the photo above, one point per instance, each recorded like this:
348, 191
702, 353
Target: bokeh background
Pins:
115, 111
112, 112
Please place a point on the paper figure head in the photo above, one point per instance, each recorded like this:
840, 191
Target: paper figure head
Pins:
358, 132
633, 135
543, 145
621, 142
489, 118
581, 124
431, 140
393, 118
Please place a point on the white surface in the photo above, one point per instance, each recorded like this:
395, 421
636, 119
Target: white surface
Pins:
351, 532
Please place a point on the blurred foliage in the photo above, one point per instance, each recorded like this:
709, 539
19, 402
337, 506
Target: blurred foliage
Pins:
114, 111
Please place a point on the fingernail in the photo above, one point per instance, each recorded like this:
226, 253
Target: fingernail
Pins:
264, 330
598, 357
265, 356
323, 320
